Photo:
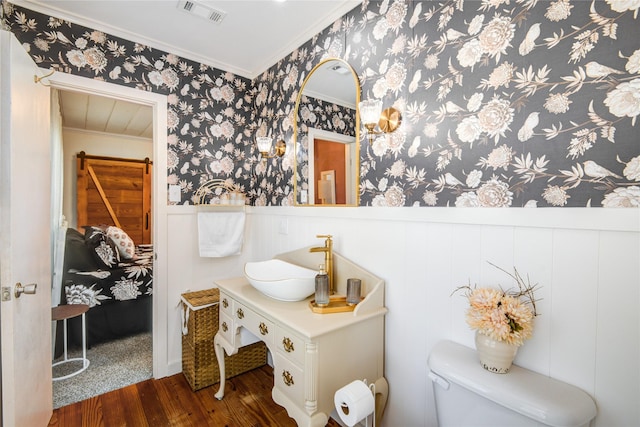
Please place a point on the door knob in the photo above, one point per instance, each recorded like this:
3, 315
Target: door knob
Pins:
29, 289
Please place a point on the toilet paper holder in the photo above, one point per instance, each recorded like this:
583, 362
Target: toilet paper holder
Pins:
372, 402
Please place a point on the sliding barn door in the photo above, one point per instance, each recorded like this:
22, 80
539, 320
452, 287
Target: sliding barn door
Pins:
115, 192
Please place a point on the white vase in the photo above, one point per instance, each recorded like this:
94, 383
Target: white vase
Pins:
495, 356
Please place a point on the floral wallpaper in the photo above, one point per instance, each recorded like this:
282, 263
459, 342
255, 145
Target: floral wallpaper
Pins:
505, 103
327, 116
210, 112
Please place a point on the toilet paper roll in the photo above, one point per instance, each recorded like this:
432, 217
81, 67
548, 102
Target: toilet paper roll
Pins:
354, 402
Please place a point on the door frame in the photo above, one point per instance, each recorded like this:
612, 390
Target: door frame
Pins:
158, 103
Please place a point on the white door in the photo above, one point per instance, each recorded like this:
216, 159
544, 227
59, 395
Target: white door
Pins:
25, 187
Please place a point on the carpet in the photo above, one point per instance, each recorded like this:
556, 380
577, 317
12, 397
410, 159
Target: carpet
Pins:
113, 365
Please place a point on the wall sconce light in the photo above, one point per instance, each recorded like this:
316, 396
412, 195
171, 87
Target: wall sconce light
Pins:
267, 151
371, 114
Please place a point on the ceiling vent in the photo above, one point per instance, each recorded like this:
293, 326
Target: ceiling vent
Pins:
201, 10
339, 68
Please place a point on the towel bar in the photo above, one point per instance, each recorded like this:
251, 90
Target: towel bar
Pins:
221, 193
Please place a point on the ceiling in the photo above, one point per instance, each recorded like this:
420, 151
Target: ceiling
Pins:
101, 114
251, 37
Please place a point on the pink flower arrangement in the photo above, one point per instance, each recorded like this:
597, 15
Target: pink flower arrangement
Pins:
502, 315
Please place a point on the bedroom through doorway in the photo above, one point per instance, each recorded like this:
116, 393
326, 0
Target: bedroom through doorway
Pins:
107, 168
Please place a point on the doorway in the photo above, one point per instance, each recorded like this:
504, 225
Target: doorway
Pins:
158, 105
107, 146
331, 151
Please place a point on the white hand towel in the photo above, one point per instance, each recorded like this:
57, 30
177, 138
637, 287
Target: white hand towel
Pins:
220, 234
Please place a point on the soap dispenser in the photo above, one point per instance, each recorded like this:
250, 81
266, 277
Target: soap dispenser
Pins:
322, 287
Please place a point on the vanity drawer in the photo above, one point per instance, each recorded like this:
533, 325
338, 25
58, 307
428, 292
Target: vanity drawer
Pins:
256, 324
291, 345
227, 329
226, 304
289, 378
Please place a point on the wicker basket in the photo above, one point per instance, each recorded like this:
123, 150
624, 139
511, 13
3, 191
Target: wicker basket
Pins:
200, 324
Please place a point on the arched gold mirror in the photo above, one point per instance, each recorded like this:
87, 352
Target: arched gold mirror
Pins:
326, 134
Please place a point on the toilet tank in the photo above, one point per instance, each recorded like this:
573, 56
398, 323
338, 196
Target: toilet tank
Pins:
468, 395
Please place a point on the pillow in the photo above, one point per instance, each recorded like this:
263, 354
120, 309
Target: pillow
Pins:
102, 247
76, 254
125, 245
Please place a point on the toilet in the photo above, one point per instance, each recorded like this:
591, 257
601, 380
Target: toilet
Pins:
468, 395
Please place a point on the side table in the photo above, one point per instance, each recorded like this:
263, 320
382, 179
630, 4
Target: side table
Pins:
64, 312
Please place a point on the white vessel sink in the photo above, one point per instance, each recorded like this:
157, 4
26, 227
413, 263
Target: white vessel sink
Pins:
281, 280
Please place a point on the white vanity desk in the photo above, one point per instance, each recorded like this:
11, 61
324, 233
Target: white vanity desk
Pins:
313, 354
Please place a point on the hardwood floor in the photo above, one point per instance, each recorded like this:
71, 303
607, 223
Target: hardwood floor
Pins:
170, 402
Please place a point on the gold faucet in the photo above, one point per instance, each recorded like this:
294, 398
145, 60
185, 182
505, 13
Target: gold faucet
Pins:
328, 257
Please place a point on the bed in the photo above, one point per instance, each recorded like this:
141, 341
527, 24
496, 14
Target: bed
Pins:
105, 270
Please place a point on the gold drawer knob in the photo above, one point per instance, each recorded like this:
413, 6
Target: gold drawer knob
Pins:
240, 313
287, 378
225, 328
225, 303
287, 344
263, 328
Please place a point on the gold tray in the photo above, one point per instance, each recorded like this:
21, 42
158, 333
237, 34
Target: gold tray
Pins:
337, 304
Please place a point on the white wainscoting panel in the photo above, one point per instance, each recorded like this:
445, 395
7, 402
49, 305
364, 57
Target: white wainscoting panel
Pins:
573, 307
585, 260
617, 379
